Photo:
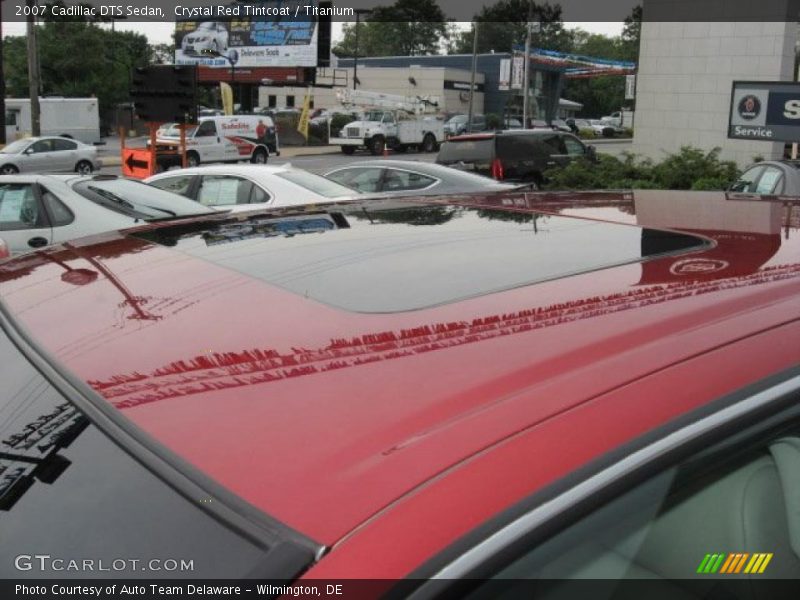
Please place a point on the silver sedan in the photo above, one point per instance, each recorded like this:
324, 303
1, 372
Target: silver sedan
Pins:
48, 155
406, 177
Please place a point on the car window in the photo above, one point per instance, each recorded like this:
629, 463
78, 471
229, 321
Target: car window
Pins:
396, 180
222, 190
42, 146
177, 185
555, 144
206, 129
729, 508
771, 181
363, 179
747, 181
59, 214
64, 144
574, 147
19, 208
466, 150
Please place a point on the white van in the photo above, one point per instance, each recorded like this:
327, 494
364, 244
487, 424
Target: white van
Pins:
227, 139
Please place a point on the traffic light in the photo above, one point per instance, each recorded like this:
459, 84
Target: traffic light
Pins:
165, 93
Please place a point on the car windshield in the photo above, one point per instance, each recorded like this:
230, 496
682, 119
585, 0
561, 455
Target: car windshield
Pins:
316, 183
373, 115
138, 200
15, 147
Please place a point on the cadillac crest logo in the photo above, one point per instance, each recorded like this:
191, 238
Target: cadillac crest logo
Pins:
749, 107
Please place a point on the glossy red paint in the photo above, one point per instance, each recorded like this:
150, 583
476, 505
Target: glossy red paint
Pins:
353, 427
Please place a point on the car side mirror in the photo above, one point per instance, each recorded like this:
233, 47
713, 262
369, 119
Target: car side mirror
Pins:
28, 151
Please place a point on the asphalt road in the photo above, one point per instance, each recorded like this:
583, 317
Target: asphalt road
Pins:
322, 163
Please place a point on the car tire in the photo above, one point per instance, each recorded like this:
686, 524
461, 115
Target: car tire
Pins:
8, 170
376, 145
429, 143
259, 157
84, 167
192, 159
349, 150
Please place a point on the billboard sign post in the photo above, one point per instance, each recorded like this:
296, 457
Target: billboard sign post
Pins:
768, 111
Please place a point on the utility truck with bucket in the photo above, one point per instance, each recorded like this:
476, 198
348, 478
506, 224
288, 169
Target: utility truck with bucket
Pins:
390, 121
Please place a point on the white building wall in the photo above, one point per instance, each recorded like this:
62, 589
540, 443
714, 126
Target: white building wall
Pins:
684, 81
388, 80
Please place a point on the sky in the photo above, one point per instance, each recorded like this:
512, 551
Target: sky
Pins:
161, 33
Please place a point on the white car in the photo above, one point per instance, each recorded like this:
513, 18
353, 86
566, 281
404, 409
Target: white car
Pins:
48, 155
242, 188
209, 36
39, 210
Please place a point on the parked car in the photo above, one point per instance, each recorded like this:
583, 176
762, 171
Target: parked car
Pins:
39, 210
500, 397
457, 124
515, 156
599, 128
48, 155
242, 188
168, 130
561, 125
512, 123
770, 177
407, 176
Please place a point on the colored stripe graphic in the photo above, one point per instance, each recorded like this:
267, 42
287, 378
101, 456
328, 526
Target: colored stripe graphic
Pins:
733, 563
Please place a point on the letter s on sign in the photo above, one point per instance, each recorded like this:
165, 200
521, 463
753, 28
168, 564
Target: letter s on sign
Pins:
791, 110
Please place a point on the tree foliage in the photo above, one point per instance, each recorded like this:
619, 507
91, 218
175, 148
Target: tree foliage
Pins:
406, 28
78, 59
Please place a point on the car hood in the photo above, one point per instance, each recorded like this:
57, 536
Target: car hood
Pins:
320, 415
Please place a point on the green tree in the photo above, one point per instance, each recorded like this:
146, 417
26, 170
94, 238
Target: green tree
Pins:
78, 59
632, 35
600, 95
501, 26
406, 28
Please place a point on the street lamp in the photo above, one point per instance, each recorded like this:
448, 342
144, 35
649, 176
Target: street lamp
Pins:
359, 12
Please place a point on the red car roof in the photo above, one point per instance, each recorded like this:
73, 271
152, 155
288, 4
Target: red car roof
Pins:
323, 417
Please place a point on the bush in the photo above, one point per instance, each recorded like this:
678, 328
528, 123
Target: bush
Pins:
317, 134
627, 132
338, 122
493, 121
587, 134
689, 169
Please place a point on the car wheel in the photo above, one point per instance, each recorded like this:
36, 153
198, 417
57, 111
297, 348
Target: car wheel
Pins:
9, 170
192, 159
429, 143
259, 157
376, 145
84, 167
349, 150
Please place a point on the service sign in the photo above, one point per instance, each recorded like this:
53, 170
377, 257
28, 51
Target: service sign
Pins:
271, 33
765, 110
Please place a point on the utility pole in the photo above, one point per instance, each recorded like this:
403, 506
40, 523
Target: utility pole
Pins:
33, 70
2, 83
526, 70
359, 12
472, 77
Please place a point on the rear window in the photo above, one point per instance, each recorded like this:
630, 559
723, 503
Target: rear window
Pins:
138, 200
316, 183
466, 150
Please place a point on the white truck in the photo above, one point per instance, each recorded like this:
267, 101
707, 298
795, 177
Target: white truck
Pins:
76, 118
620, 119
389, 121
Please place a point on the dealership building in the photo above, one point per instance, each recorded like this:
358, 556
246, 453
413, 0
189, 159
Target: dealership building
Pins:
686, 74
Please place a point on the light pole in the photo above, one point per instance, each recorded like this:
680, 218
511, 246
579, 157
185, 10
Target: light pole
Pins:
359, 12
472, 76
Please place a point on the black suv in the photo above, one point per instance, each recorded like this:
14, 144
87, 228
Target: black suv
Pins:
513, 156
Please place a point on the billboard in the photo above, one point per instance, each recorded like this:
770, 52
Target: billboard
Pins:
765, 110
271, 33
